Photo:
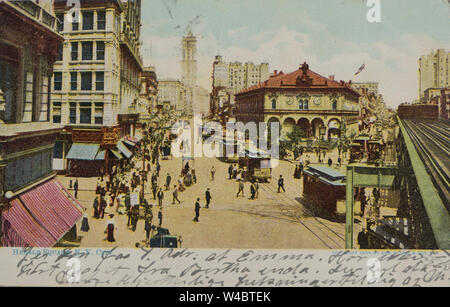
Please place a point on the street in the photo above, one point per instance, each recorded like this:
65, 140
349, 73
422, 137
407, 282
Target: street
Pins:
271, 221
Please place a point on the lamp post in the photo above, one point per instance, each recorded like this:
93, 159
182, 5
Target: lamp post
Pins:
322, 131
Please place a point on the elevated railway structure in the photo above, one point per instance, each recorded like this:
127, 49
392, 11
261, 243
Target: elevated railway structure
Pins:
423, 148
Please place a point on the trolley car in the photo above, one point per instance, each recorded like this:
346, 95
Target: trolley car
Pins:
257, 166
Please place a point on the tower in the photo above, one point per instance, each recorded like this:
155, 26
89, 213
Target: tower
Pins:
189, 67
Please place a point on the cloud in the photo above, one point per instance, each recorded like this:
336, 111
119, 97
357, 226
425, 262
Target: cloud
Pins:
232, 32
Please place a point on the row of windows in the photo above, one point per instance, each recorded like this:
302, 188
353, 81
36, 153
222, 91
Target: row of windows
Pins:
80, 113
87, 51
303, 104
87, 18
86, 81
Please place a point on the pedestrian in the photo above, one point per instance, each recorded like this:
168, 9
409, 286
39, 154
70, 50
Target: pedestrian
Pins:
230, 172
134, 217
330, 162
281, 184
110, 226
158, 169
175, 195
154, 190
75, 188
148, 224
197, 210
208, 198
339, 161
213, 173
160, 197
85, 223
103, 206
257, 189
241, 189
363, 239
168, 181
96, 208
160, 217
252, 191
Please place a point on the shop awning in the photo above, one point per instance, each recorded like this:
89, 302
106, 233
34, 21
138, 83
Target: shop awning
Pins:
117, 154
40, 217
128, 143
87, 152
100, 155
124, 150
20, 229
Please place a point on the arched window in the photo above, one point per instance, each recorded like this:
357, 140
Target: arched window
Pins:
306, 104
334, 105
274, 103
300, 104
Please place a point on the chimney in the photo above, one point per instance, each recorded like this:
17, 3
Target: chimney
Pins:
331, 77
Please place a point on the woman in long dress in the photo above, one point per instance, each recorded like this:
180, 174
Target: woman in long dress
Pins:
110, 229
85, 223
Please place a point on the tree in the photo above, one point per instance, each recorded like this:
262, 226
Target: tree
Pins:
294, 138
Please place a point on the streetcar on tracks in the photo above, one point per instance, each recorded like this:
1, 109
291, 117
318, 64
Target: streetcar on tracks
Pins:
256, 165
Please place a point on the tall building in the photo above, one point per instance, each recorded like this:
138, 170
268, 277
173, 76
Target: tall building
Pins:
433, 72
189, 67
371, 87
148, 94
237, 76
35, 209
302, 98
173, 92
96, 82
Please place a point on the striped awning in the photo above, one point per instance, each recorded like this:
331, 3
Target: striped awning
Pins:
40, 217
87, 152
124, 150
20, 229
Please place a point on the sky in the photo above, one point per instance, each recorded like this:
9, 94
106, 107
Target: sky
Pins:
333, 36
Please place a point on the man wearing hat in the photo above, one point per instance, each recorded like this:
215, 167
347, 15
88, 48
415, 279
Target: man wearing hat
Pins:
208, 198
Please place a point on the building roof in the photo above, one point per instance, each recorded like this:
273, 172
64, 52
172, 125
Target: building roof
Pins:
301, 78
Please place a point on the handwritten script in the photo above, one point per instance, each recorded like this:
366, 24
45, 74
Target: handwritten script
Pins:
227, 268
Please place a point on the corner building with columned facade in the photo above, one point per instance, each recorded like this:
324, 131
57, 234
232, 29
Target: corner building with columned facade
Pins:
303, 98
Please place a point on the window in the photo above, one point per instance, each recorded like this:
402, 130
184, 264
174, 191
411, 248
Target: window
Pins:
88, 21
60, 21
274, 103
99, 113
58, 150
60, 53
75, 22
87, 51
57, 81
306, 105
73, 81
57, 112
100, 51
334, 105
73, 113
74, 52
303, 104
99, 81
86, 81
101, 20
85, 112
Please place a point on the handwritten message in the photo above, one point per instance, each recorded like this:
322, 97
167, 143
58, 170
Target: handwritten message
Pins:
223, 268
